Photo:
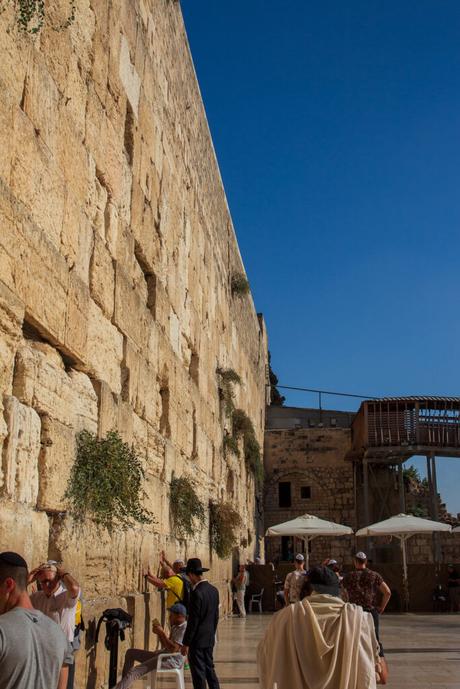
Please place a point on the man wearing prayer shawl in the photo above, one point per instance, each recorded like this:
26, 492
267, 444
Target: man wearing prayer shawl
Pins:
321, 642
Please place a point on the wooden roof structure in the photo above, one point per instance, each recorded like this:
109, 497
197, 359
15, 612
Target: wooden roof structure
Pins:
392, 429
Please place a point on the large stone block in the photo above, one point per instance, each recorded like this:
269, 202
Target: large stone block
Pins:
130, 311
76, 326
41, 279
105, 348
20, 452
84, 402
41, 382
76, 238
24, 531
35, 178
57, 455
102, 277
129, 77
108, 408
11, 319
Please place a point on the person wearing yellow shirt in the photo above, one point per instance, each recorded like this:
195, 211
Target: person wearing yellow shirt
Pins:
169, 581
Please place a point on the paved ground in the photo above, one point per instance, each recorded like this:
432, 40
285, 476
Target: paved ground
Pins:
423, 651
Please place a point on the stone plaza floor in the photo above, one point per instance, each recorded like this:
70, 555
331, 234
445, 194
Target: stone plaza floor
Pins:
422, 651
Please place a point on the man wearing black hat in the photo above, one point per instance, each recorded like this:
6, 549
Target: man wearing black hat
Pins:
34, 652
200, 634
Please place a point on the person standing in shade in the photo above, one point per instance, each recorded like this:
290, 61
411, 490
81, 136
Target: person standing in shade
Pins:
200, 635
34, 653
294, 580
365, 587
240, 582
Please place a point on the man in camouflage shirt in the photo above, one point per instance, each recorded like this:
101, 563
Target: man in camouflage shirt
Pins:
367, 589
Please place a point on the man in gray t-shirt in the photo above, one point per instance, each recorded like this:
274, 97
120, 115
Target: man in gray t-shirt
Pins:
34, 653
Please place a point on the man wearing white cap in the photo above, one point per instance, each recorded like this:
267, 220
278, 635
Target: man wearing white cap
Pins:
364, 588
294, 580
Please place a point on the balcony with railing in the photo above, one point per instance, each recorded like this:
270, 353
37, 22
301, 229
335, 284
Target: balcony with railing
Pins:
393, 428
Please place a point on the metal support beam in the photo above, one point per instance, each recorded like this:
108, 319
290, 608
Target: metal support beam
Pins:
435, 488
402, 495
430, 483
366, 491
366, 500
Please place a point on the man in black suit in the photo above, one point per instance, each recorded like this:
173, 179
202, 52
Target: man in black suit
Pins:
200, 635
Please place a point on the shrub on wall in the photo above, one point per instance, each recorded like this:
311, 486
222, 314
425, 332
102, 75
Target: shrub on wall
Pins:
242, 426
239, 284
105, 483
186, 507
224, 523
30, 15
227, 378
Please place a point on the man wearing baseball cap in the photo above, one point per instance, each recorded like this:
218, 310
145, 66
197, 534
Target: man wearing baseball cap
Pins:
34, 652
367, 589
294, 580
200, 635
321, 641
148, 660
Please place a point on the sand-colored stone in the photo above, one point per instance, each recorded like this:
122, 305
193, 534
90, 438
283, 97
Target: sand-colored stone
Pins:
116, 256
56, 457
20, 452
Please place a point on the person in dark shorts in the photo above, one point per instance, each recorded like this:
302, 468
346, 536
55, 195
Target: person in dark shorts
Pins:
364, 587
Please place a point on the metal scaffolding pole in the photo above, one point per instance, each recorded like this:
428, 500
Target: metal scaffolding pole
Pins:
402, 496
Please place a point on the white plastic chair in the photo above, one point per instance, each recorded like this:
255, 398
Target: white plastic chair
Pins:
256, 599
176, 672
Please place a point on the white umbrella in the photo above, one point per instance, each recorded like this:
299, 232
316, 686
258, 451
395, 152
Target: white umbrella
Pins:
456, 529
403, 526
308, 527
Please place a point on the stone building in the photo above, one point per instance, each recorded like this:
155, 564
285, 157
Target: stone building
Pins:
117, 253
306, 472
310, 468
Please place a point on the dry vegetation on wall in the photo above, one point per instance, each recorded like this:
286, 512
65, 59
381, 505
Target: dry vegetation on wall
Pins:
239, 284
31, 15
187, 510
224, 523
105, 483
241, 425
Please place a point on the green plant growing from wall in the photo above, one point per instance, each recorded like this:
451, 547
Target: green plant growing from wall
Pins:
231, 444
227, 378
224, 523
31, 15
105, 483
242, 427
239, 284
186, 508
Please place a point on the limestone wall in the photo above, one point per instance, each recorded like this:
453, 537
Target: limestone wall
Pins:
116, 256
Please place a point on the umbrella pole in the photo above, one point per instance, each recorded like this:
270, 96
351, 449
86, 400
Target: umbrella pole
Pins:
307, 554
405, 577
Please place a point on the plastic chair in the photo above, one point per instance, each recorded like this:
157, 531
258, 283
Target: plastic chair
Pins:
176, 672
256, 599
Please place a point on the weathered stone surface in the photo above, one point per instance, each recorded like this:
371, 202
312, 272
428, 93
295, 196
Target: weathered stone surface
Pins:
116, 254
102, 277
105, 348
57, 455
11, 319
20, 452
25, 531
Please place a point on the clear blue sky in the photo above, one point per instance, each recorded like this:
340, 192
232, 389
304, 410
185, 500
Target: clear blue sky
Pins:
337, 129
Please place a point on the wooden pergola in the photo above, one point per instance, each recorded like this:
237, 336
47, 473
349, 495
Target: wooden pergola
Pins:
391, 430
